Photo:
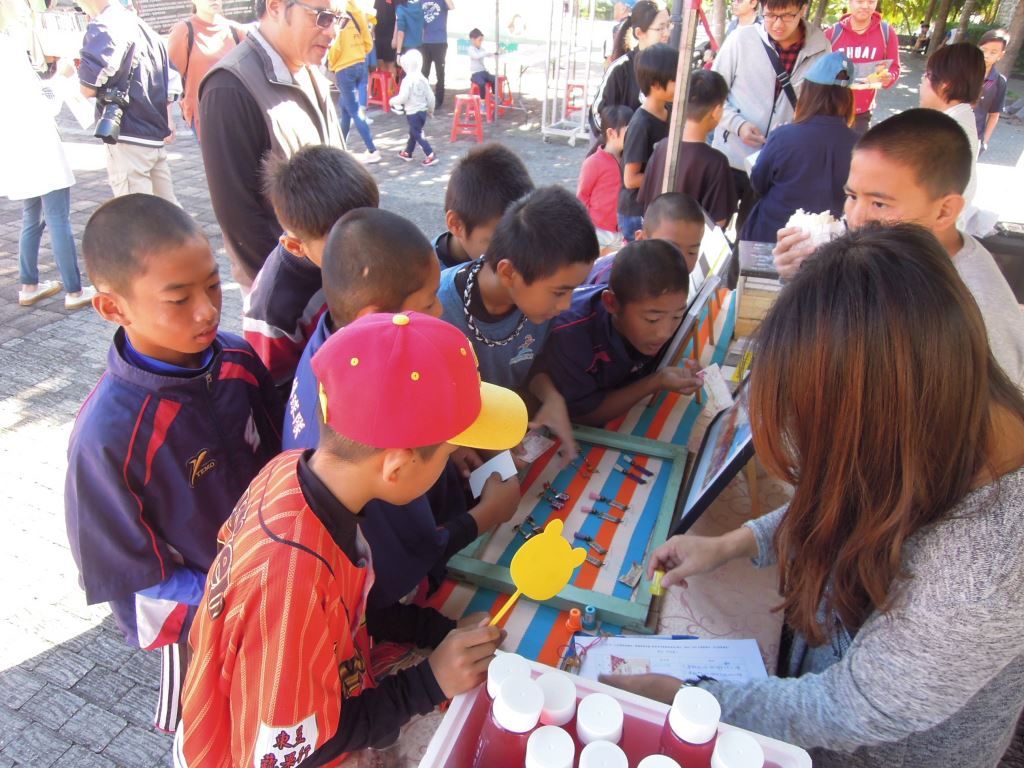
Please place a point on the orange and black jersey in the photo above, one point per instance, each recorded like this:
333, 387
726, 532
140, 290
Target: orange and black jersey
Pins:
280, 673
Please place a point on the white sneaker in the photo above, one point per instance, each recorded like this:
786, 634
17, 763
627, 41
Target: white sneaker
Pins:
81, 300
43, 290
369, 158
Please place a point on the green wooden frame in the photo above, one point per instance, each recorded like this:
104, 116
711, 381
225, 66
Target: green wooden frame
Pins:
630, 614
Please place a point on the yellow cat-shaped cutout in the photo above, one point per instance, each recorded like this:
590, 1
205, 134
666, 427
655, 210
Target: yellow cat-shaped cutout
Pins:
542, 566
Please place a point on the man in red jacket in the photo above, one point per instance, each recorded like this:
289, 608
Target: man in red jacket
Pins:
864, 37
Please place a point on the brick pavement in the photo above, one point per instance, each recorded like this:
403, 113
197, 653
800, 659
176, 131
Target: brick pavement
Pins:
71, 692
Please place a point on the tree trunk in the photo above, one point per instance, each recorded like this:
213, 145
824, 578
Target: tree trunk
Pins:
965, 18
718, 20
1016, 31
930, 12
939, 26
1004, 17
819, 15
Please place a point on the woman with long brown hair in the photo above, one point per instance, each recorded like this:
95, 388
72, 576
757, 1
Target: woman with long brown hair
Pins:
805, 164
901, 554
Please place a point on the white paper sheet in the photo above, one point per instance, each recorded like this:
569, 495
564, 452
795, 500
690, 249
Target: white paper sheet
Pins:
737, 661
502, 464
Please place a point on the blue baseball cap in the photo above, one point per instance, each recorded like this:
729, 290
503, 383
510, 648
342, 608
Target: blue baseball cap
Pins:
826, 70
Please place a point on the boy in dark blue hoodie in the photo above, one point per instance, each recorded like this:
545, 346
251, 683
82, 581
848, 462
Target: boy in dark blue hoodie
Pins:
377, 261
603, 353
171, 436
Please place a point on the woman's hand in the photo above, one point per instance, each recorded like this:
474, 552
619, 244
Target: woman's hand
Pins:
687, 555
657, 687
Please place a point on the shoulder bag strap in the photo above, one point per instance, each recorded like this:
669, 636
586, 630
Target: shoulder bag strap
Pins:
781, 75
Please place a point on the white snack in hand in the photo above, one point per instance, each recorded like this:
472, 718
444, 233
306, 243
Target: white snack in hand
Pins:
822, 227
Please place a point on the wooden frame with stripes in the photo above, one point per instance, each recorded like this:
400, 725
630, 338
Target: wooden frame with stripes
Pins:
652, 506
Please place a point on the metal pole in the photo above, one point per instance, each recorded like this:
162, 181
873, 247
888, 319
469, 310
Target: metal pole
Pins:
685, 39
547, 68
497, 49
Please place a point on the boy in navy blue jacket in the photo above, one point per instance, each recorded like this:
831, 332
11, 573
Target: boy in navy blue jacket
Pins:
170, 437
377, 261
309, 191
602, 354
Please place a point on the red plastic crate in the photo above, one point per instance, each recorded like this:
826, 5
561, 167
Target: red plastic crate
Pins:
454, 743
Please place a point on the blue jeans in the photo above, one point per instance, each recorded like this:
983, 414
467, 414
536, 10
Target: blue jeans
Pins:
482, 79
350, 81
416, 122
628, 225
52, 210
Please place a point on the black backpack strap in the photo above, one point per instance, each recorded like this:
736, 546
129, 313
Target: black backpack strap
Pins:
781, 75
234, 34
188, 50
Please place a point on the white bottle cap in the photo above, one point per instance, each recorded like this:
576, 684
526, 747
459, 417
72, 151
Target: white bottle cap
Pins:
694, 715
559, 698
550, 747
735, 749
518, 704
599, 718
658, 761
502, 667
603, 754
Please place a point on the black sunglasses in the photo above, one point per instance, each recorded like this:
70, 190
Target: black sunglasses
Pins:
324, 17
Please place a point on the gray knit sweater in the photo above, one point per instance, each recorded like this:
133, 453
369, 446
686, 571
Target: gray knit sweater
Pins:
938, 680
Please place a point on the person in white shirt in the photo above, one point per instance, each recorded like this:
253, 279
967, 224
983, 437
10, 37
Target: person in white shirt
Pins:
37, 173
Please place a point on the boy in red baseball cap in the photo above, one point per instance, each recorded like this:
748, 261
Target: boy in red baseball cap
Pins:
281, 641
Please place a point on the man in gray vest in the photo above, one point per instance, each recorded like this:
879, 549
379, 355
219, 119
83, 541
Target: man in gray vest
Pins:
265, 96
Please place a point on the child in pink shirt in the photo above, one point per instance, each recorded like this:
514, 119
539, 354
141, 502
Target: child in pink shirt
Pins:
601, 177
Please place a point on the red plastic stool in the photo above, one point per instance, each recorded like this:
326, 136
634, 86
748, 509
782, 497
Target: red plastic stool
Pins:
572, 90
381, 88
467, 120
504, 95
487, 97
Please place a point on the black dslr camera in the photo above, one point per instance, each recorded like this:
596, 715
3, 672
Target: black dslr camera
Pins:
114, 102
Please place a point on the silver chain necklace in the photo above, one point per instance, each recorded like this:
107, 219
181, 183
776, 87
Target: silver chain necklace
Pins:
474, 270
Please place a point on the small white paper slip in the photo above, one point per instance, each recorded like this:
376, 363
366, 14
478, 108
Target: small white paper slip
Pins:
718, 391
502, 464
534, 446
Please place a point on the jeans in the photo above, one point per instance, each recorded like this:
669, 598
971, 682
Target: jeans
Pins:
628, 225
482, 78
52, 210
350, 80
436, 53
416, 122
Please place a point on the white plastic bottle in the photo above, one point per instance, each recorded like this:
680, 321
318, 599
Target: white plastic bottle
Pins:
502, 667
735, 749
506, 731
688, 736
599, 718
559, 699
658, 761
603, 754
550, 747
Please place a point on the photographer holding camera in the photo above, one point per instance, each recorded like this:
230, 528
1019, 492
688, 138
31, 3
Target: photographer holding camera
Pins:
124, 65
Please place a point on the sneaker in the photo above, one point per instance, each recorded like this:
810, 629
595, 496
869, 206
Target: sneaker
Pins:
430, 160
369, 158
405, 156
81, 300
43, 290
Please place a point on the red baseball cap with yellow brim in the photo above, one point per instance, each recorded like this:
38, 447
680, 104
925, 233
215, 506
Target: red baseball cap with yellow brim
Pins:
409, 380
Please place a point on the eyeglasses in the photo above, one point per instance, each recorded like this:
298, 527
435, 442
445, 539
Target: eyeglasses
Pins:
324, 17
786, 17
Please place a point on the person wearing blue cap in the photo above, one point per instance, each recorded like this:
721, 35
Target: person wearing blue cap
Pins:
805, 164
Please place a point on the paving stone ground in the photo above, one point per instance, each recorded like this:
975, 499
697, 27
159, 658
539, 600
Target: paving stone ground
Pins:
71, 692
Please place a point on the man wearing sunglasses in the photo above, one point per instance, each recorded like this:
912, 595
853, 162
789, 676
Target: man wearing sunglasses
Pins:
764, 65
266, 96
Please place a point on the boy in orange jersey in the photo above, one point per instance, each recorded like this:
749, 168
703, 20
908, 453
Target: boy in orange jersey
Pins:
281, 641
